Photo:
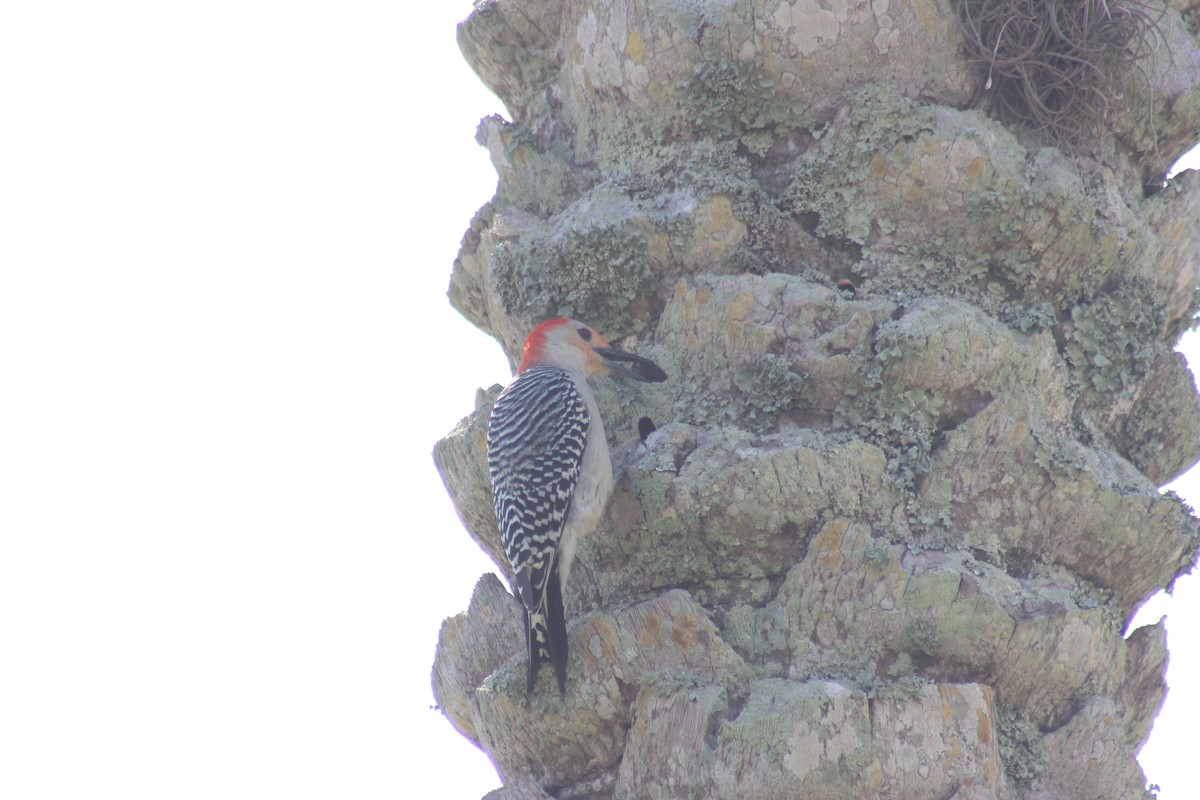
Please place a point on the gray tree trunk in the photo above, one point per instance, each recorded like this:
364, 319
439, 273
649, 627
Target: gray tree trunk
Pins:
902, 500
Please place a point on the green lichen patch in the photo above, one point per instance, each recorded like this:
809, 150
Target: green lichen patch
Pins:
769, 387
738, 101
1132, 386
900, 420
1112, 336
1160, 430
599, 272
635, 145
774, 241
1021, 749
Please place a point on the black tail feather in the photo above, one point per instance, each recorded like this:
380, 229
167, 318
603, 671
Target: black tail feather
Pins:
535, 653
556, 623
546, 636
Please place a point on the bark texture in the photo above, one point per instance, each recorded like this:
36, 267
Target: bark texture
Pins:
902, 499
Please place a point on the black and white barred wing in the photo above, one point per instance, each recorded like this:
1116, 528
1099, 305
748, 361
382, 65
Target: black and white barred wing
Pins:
536, 437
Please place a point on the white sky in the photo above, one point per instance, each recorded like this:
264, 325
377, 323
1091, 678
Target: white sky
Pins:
226, 233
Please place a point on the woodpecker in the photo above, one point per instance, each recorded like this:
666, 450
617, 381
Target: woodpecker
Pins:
551, 472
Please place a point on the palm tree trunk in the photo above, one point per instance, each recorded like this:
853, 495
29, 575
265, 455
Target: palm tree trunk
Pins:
901, 501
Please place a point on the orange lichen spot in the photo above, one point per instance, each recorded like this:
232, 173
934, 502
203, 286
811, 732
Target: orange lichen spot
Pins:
635, 47
649, 635
983, 727
975, 169
685, 632
828, 544
879, 166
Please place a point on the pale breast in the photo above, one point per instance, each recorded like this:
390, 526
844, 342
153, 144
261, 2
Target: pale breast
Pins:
591, 492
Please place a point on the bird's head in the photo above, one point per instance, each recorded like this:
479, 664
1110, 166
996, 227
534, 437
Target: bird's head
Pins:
576, 347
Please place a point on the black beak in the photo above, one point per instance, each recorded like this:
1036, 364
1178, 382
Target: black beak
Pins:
640, 369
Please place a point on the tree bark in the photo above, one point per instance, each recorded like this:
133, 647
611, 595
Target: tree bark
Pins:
901, 502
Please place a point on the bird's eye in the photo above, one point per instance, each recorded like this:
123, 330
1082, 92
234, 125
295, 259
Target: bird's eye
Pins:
585, 334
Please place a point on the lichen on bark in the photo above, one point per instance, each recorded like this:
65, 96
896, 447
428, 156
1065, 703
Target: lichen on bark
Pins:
901, 501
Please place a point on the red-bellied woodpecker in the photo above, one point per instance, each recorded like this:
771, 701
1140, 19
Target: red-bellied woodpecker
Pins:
551, 472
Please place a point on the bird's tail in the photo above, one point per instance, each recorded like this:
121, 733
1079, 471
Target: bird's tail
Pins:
546, 636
